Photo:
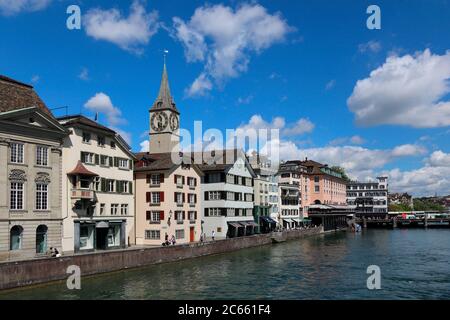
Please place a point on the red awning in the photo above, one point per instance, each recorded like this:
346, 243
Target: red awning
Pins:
80, 170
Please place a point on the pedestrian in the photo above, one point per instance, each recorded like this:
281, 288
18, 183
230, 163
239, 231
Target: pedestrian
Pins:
173, 240
213, 235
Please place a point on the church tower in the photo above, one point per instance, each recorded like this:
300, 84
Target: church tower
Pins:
164, 120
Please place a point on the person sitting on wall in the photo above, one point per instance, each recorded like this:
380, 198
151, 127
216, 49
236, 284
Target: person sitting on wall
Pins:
173, 240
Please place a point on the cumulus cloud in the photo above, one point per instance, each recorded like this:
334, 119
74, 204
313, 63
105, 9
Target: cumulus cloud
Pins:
439, 159
354, 140
101, 103
13, 7
84, 74
145, 146
405, 90
129, 33
330, 85
223, 39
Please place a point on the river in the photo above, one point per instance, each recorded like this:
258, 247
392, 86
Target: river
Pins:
414, 263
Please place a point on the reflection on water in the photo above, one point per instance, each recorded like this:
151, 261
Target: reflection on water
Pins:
414, 265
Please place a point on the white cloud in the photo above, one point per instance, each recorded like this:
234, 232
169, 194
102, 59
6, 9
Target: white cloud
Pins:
13, 7
145, 146
84, 74
245, 100
439, 159
330, 85
223, 38
408, 150
35, 79
372, 46
302, 126
129, 33
354, 140
405, 91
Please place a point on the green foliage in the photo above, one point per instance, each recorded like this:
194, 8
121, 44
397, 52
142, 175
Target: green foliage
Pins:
341, 171
427, 205
399, 208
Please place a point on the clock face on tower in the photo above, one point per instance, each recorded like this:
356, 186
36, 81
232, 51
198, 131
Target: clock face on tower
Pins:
174, 123
159, 121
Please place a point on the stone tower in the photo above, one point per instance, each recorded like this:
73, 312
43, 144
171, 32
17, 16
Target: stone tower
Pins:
164, 120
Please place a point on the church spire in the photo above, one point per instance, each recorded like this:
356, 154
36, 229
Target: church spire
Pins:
164, 101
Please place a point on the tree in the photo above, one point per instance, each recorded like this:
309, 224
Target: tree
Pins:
427, 205
400, 207
341, 170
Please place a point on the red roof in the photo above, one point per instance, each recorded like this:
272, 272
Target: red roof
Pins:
80, 170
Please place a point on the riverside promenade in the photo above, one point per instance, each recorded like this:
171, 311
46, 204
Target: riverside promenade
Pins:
38, 271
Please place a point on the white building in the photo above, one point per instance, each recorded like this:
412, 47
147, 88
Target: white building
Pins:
98, 200
227, 194
368, 198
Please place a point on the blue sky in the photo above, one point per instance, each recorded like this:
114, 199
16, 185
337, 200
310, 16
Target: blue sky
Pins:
296, 60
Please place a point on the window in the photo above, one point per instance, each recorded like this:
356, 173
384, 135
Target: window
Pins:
152, 235
86, 237
192, 182
155, 180
102, 209
179, 217
104, 161
192, 215
85, 183
16, 197
114, 209
110, 186
156, 198
123, 163
316, 189
41, 196
101, 141
86, 137
17, 152
42, 156
124, 209
179, 234
113, 145
214, 195
191, 198
214, 212
154, 217
316, 179
179, 198
41, 239
16, 238
97, 184
124, 187
88, 158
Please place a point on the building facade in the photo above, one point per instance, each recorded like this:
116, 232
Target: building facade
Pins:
326, 186
167, 182
97, 184
368, 198
227, 194
266, 203
30, 173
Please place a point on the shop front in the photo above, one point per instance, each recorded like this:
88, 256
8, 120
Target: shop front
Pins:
99, 235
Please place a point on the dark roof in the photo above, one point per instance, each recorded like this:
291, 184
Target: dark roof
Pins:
16, 95
159, 161
80, 119
164, 101
80, 170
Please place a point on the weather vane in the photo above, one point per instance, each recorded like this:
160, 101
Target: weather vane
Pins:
165, 55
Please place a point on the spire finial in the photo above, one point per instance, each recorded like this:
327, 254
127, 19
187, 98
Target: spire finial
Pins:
166, 52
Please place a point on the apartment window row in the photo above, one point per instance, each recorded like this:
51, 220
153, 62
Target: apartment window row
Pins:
228, 195
289, 202
17, 196
228, 212
152, 235
181, 216
365, 187
101, 140
105, 161
17, 154
221, 177
108, 185
115, 209
287, 212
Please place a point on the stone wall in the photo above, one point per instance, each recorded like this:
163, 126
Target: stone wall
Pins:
23, 273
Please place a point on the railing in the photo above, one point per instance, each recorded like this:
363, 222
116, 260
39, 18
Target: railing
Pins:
82, 194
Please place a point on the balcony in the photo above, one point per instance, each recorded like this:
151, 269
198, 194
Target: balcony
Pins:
83, 194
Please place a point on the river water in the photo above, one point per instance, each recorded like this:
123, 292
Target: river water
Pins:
415, 264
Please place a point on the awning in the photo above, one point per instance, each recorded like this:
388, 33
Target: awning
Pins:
288, 220
235, 224
270, 220
251, 223
102, 225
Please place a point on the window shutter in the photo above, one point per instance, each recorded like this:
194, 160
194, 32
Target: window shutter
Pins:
149, 177
206, 195
118, 185
175, 197
175, 179
103, 184
206, 212
195, 181
195, 198
222, 177
130, 162
223, 212
148, 197
116, 162
111, 163
184, 197
130, 187
82, 157
161, 196
161, 215
195, 215
161, 178
148, 215
182, 180
184, 215
97, 159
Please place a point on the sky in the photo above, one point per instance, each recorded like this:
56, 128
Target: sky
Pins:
376, 102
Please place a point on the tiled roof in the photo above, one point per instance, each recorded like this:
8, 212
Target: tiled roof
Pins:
80, 170
80, 119
16, 95
158, 161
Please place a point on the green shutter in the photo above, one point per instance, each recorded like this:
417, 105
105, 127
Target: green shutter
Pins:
116, 162
118, 187
82, 157
103, 184
97, 159
111, 161
130, 188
